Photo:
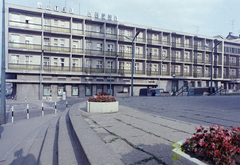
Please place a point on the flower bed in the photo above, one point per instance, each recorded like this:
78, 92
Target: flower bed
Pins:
215, 145
101, 94
122, 94
102, 104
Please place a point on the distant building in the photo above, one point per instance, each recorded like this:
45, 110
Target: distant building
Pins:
51, 52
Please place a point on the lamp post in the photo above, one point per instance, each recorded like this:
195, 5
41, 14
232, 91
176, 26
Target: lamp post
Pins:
132, 59
212, 62
111, 76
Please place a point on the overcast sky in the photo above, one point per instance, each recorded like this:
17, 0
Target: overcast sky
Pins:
204, 17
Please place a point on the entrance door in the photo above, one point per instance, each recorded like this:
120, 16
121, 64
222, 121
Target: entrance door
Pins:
174, 86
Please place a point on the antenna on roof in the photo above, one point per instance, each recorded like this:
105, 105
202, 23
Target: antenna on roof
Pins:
233, 25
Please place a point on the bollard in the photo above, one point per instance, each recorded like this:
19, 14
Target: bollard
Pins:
12, 114
25, 99
66, 104
27, 111
42, 110
55, 107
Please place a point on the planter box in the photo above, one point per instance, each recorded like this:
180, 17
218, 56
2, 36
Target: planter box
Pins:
181, 158
102, 107
122, 95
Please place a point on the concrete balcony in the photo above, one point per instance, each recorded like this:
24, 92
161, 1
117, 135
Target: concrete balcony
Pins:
56, 48
124, 71
111, 53
94, 52
153, 57
23, 66
154, 42
109, 70
94, 70
177, 73
139, 71
16, 45
55, 68
149, 73
138, 39
111, 36
56, 29
77, 50
77, 32
177, 59
124, 54
23, 25
94, 34
140, 56
77, 69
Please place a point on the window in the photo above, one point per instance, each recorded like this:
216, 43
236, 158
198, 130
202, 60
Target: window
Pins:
207, 57
88, 90
164, 67
88, 27
75, 63
186, 69
46, 61
47, 21
128, 65
110, 91
129, 33
28, 59
121, 48
178, 40
121, 65
110, 47
62, 42
137, 51
187, 41
28, 39
55, 42
121, 32
176, 68
199, 69
164, 38
199, 56
98, 29
206, 70
178, 54
187, 55
200, 43
28, 19
164, 53
55, 61
74, 90
75, 44
89, 45
155, 52
55, 22
77, 26
15, 59
99, 88
15, 38
62, 23
15, 17
129, 49
99, 64
109, 30
46, 90
155, 67
99, 46
60, 90
109, 63
155, 37
88, 63
46, 41
232, 72
62, 62
137, 66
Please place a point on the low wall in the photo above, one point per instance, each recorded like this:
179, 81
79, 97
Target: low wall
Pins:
102, 107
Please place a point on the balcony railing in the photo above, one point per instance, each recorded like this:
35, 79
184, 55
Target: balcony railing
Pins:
154, 57
226, 76
233, 76
94, 52
94, 34
55, 68
226, 63
201, 47
177, 73
109, 70
77, 50
110, 53
24, 46
198, 74
199, 61
25, 25
94, 70
123, 54
187, 74
207, 75
139, 71
140, 39
56, 48
76, 31
165, 73
154, 42
166, 43
208, 61
124, 71
217, 75
152, 72
187, 59
77, 69
188, 46
56, 29
123, 38
177, 59
175, 44
24, 66
139, 56
111, 36
233, 64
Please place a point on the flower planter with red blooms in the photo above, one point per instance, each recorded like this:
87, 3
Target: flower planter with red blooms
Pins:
101, 94
102, 104
216, 145
122, 94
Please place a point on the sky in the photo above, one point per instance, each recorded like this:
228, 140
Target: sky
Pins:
203, 17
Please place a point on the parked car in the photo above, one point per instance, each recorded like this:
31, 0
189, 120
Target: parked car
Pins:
155, 91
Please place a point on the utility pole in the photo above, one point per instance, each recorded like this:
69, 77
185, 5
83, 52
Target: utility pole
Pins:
3, 85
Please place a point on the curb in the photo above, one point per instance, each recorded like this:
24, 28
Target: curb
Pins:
94, 148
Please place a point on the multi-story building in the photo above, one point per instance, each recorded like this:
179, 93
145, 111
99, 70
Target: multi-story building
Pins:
51, 52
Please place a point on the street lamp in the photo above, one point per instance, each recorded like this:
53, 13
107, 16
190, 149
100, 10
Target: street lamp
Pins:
212, 62
132, 58
111, 76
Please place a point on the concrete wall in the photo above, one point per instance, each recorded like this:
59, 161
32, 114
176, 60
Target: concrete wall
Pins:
27, 90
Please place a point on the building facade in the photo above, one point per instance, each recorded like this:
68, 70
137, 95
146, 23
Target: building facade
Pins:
51, 52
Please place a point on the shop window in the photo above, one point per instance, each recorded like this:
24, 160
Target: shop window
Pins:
99, 88
46, 90
109, 91
88, 90
75, 90
60, 90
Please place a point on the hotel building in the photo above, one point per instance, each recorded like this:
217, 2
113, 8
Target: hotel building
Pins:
49, 52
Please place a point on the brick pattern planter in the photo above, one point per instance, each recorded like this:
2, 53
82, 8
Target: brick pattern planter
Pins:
122, 95
102, 107
181, 158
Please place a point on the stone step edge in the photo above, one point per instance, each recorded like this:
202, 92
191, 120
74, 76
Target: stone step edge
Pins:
96, 151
